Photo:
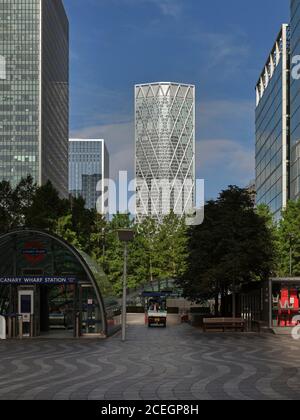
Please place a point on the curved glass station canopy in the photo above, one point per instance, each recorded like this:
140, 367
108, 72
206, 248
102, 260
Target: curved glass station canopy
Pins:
48, 287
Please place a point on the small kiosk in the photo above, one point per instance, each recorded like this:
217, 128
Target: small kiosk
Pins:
284, 302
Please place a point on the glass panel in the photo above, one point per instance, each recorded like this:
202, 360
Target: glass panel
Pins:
285, 304
91, 319
113, 315
25, 304
61, 307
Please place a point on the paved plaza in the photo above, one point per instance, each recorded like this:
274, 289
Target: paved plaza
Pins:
177, 363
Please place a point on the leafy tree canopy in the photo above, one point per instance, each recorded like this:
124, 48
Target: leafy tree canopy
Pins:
233, 246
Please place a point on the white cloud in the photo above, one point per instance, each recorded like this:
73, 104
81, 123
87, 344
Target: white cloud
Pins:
225, 155
171, 8
212, 110
225, 142
119, 138
226, 52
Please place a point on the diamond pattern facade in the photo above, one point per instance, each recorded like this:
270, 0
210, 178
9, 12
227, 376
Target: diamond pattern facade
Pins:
165, 149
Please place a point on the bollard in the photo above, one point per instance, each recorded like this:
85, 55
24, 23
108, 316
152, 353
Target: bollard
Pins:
9, 327
14, 327
2, 328
31, 326
20, 327
77, 326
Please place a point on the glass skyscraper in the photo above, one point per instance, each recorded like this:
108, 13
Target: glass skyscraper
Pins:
165, 149
272, 127
34, 92
295, 103
88, 170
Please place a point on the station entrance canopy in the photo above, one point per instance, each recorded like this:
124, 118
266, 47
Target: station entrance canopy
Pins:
47, 286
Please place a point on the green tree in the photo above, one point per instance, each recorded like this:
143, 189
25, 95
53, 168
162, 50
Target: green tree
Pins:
14, 203
83, 220
203, 279
172, 247
233, 246
99, 232
46, 208
159, 251
114, 253
64, 229
7, 203
289, 240
24, 194
144, 254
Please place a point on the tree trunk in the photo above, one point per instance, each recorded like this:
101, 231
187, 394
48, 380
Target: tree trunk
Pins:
217, 304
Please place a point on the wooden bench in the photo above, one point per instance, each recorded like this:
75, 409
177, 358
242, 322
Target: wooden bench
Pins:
237, 324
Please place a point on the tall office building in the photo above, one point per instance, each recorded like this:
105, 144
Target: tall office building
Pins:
34, 93
295, 103
88, 170
165, 149
272, 127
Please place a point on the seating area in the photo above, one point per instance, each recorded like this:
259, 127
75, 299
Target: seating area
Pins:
236, 324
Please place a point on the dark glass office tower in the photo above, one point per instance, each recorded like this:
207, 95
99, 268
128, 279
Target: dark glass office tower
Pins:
34, 91
88, 170
272, 127
295, 103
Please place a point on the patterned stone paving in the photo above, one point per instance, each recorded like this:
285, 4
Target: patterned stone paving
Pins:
179, 363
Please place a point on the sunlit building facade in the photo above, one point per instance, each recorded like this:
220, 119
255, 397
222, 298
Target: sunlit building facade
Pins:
34, 92
295, 103
165, 149
272, 127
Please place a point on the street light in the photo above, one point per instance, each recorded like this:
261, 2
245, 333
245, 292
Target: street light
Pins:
291, 237
125, 236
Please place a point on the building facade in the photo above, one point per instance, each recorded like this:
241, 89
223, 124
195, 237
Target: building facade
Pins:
88, 170
272, 127
295, 103
165, 149
34, 92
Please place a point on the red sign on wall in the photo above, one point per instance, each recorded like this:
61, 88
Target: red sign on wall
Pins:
34, 252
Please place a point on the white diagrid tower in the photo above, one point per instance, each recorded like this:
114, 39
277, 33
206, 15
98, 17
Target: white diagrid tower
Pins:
165, 149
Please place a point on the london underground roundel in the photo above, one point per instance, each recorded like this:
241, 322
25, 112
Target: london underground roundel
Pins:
34, 252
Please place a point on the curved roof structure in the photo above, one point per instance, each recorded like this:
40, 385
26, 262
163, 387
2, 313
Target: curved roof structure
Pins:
34, 257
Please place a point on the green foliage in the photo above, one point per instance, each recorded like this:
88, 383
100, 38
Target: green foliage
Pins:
114, 251
99, 230
14, 203
64, 229
172, 244
286, 238
46, 208
144, 254
233, 246
289, 240
159, 251
7, 203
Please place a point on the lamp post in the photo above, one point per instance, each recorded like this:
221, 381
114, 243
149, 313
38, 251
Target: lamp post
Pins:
291, 237
125, 236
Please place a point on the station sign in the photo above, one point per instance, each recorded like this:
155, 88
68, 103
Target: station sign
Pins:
34, 252
41, 280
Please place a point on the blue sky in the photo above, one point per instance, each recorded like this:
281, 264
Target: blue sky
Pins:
220, 46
